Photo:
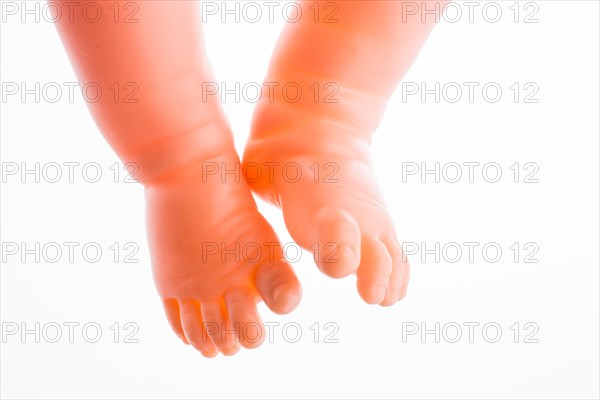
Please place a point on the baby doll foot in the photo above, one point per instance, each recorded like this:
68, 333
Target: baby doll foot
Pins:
322, 179
215, 257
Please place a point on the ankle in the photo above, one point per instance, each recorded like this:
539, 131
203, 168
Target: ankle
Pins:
182, 156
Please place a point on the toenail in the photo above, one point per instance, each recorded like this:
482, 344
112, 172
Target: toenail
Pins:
276, 293
348, 253
208, 354
402, 293
380, 291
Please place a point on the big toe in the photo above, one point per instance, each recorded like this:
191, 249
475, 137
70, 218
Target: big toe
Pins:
278, 286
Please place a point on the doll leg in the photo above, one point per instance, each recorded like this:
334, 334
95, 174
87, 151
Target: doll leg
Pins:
214, 256
346, 66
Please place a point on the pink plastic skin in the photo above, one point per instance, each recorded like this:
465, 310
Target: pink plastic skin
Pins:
174, 134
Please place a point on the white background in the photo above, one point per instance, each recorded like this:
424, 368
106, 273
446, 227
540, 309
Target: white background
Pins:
559, 214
